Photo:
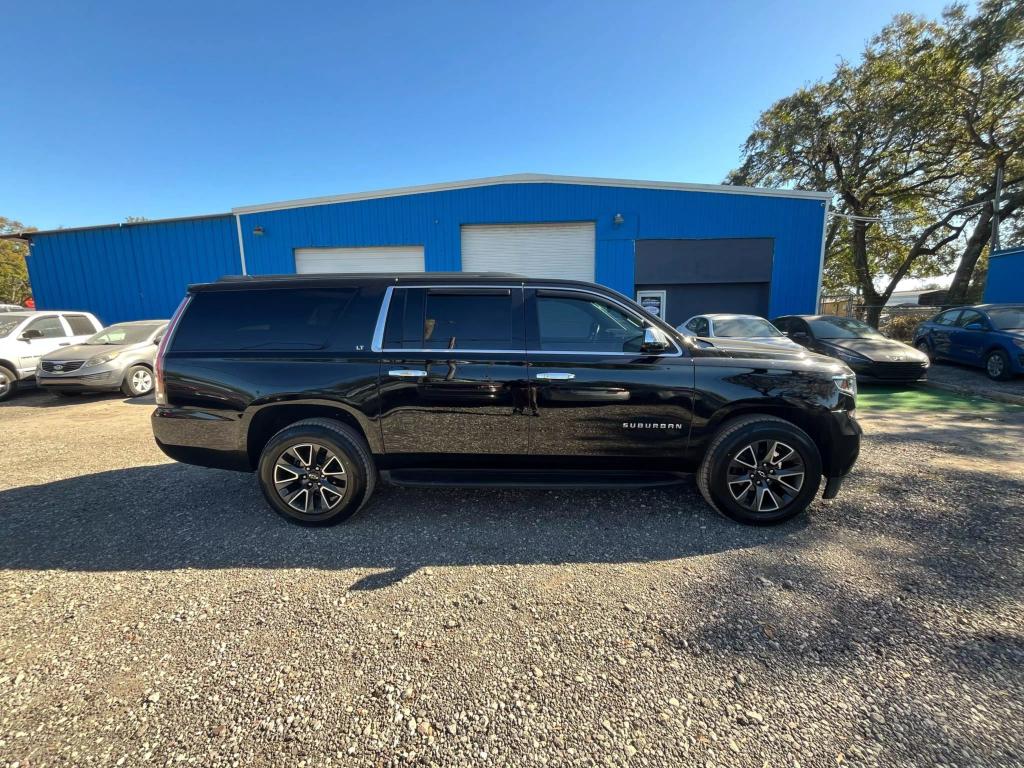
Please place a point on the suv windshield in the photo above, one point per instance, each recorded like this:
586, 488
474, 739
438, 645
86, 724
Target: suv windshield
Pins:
842, 328
739, 327
8, 322
1004, 318
123, 334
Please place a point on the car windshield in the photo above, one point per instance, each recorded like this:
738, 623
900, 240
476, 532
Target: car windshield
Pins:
123, 334
1007, 318
842, 328
744, 327
8, 322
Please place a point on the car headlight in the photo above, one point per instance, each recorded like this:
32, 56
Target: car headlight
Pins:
849, 357
106, 357
846, 383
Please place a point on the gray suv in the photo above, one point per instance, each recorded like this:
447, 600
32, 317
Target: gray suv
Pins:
118, 357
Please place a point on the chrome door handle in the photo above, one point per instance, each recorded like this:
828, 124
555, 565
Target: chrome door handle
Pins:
405, 373
65, 344
556, 376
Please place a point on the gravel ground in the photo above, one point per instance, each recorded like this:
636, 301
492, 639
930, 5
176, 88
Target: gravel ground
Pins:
159, 614
973, 381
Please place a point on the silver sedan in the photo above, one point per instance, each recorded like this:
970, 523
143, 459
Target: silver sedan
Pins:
119, 357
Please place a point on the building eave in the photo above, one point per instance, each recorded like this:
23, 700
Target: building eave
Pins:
532, 178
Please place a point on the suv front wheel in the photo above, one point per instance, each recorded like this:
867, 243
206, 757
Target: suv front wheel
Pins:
760, 470
317, 472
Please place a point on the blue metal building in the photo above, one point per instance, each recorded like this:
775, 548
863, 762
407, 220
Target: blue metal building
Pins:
1005, 281
688, 248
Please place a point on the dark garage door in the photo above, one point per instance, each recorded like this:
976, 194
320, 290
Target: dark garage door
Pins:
700, 276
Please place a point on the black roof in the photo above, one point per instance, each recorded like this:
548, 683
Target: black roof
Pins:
242, 282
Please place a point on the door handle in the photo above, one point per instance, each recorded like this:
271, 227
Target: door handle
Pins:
405, 373
556, 376
65, 344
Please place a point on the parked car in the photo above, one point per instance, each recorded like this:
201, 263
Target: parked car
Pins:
746, 327
987, 335
118, 357
26, 336
867, 351
317, 382
11, 308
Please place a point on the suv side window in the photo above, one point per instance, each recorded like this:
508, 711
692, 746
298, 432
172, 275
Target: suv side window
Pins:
947, 318
699, 325
80, 325
585, 323
50, 327
482, 319
266, 319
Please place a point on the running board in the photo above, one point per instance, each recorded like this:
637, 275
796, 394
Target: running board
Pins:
529, 478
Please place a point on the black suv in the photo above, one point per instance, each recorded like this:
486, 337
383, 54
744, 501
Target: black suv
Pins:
319, 383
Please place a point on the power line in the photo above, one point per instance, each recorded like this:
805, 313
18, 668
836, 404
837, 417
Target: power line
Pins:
853, 217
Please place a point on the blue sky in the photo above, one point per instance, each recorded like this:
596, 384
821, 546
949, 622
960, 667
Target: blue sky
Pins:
118, 109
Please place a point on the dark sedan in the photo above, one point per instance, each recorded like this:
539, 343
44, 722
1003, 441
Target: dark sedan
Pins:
871, 355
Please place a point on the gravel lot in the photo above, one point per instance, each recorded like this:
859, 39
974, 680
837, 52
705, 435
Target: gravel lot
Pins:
970, 380
154, 613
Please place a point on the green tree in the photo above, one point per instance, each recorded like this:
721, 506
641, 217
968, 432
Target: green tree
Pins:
14, 285
890, 135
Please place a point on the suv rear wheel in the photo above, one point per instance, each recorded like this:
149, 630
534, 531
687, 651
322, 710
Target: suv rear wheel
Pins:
317, 472
760, 470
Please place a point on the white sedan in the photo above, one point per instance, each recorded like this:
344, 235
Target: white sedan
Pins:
745, 327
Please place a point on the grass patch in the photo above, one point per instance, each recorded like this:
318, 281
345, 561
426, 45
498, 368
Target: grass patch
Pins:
880, 397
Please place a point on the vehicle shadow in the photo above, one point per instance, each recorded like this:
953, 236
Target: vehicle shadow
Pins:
34, 397
173, 516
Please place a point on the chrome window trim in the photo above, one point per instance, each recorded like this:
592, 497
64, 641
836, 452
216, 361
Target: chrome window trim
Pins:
377, 345
382, 317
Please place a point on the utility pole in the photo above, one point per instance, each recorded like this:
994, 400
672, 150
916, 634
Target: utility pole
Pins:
995, 207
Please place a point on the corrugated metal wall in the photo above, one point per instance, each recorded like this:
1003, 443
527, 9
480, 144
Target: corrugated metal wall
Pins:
433, 220
1005, 281
131, 272
141, 270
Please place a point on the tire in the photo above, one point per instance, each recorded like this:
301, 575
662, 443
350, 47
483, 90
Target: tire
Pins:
8, 383
729, 451
923, 346
997, 365
138, 381
284, 455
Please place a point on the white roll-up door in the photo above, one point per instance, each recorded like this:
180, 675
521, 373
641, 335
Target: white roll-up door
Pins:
404, 258
562, 250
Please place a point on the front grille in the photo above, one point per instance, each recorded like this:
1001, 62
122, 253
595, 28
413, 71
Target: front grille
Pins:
62, 366
898, 370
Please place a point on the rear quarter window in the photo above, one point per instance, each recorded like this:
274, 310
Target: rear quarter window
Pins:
307, 319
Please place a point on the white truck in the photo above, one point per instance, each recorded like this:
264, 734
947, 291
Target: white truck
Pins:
26, 336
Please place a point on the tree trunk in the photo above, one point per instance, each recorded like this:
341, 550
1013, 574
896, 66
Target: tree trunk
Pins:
872, 303
957, 293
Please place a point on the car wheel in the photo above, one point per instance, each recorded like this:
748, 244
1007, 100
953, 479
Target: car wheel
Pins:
923, 346
760, 470
138, 381
8, 383
997, 365
317, 472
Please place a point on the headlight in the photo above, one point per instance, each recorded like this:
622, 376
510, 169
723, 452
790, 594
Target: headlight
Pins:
106, 357
846, 383
849, 357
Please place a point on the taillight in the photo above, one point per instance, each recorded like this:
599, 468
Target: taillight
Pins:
165, 342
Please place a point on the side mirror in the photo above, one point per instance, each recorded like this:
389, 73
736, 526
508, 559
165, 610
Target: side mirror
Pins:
654, 340
30, 334
975, 327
